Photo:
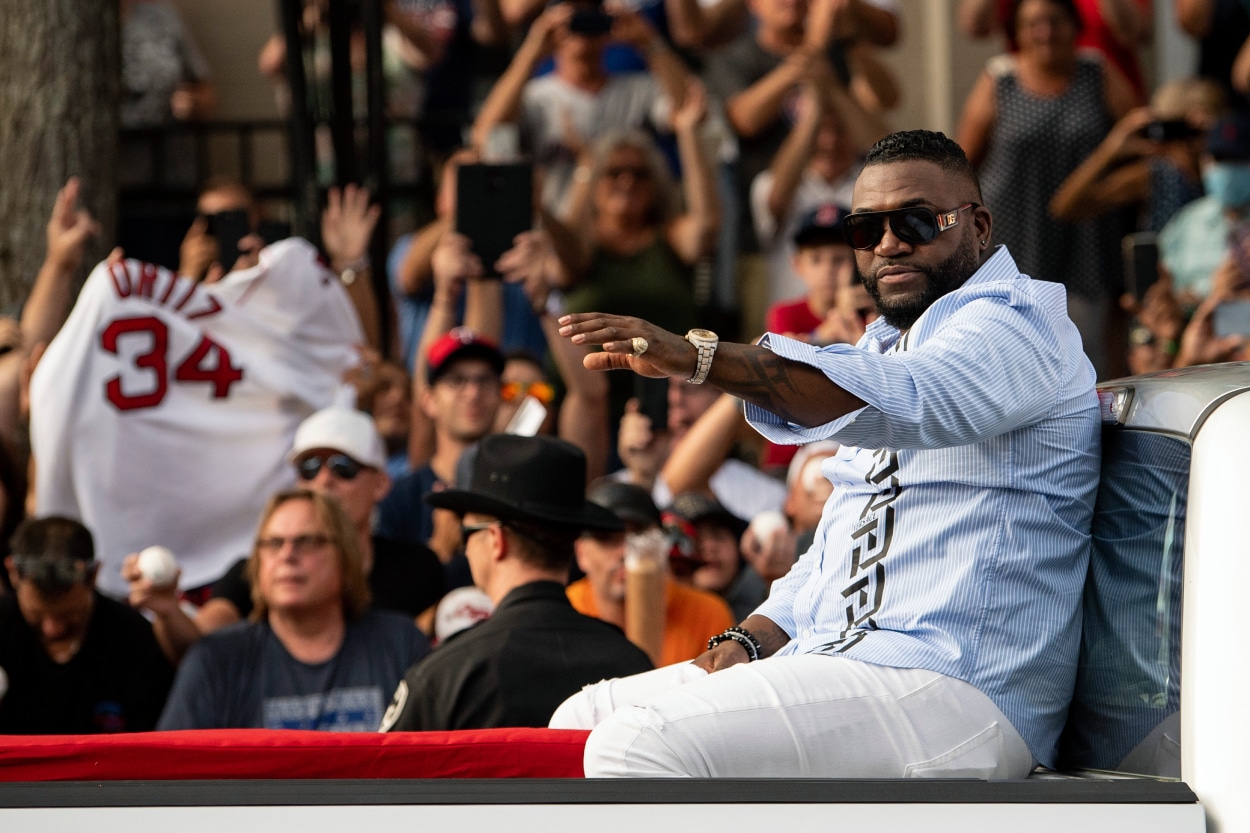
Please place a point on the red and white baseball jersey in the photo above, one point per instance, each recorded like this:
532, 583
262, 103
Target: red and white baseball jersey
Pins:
163, 410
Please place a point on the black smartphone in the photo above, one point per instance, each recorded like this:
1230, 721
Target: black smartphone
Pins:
1231, 318
1141, 262
494, 203
229, 227
652, 396
1170, 130
594, 21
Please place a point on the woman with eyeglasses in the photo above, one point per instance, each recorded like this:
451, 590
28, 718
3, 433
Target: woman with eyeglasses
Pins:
314, 655
1030, 120
640, 242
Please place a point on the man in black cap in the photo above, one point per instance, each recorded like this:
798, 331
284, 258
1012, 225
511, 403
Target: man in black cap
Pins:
524, 508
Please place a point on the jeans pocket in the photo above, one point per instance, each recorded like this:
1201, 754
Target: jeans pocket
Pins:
981, 756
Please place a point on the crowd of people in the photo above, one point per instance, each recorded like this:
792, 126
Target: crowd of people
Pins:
452, 527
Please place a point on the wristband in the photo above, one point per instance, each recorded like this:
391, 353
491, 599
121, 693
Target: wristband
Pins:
353, 270
743, 637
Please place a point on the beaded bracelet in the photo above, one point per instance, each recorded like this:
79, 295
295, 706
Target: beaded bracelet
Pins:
743, 637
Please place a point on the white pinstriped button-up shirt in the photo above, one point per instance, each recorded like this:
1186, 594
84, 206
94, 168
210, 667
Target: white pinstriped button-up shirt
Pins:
957, 536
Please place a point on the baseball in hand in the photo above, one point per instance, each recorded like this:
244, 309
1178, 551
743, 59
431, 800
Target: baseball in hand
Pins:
766, 523
158, 565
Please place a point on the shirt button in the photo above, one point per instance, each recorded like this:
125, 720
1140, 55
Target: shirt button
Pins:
807, 632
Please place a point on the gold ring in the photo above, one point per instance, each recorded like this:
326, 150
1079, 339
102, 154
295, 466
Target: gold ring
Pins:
639, 344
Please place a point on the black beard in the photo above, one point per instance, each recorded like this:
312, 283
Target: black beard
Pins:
945, 277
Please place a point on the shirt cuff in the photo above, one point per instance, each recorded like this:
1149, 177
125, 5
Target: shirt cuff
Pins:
778, 430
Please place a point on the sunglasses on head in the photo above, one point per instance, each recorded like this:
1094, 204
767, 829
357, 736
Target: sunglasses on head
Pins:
914, 225
340, 465
541, 391
62, 572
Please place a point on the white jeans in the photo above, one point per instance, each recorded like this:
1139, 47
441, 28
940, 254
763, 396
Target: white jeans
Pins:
791, 717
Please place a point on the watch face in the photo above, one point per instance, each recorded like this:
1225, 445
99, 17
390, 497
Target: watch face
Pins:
702, 335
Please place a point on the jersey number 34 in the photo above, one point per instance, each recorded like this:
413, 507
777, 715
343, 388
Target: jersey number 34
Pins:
209, 362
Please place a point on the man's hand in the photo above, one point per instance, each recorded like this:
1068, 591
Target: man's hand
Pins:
1199, 344
69, 228
531, 263
198, 252
632, 28
641, 446
729, 653
546, 29
725, 655
452, 263
667, 354
693, 110
771, 558
162, 600
347, 224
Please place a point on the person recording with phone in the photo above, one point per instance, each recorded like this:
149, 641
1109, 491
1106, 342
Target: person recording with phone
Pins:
559, 114
1151, 158
229, 232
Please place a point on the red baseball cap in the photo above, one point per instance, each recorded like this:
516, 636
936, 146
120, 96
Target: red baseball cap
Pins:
460, 343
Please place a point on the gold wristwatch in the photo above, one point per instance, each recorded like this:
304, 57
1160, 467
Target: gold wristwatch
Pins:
705, 342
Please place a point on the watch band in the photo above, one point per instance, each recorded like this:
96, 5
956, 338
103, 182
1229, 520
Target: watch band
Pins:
703, 364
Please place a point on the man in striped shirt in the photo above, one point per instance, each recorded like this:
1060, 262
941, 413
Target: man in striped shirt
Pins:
933, 627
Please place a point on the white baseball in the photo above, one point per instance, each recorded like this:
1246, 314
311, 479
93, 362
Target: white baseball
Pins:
158, 565
766, 523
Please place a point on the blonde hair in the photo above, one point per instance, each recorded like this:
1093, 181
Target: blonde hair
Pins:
1175, 99
356, 596
668, 202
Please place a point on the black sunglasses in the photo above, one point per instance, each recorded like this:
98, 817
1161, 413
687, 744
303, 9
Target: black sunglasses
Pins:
340, 465
61, 572
913, 225
472, 529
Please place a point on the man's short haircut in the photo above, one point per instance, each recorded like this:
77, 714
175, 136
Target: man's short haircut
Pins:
53, 553
924, 146
543, 545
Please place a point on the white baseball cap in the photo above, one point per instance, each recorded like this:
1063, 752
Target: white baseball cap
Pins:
345, 430
461, 608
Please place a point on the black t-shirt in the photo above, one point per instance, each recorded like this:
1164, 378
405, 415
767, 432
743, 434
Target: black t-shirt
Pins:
406, 577
117, 682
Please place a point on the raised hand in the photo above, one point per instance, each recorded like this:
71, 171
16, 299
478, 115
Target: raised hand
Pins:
347, 224
69, 228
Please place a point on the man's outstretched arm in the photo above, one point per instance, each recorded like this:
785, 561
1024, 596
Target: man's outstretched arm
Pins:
796, 392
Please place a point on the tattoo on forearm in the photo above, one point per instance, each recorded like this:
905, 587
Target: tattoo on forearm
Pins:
767, 381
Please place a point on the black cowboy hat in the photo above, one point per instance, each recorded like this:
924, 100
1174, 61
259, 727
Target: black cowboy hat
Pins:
538, 479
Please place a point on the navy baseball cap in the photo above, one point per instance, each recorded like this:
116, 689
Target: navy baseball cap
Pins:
821, 226
1229, 138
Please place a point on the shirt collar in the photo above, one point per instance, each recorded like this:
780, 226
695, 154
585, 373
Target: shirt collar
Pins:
999, 266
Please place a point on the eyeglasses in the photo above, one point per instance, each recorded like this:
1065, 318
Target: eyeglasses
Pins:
914, 225
636, 171
301, 544
541, 391
340, 465
57, 571
467, 530
457, 382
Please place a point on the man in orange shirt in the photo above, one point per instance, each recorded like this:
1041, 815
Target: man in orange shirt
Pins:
691, 616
